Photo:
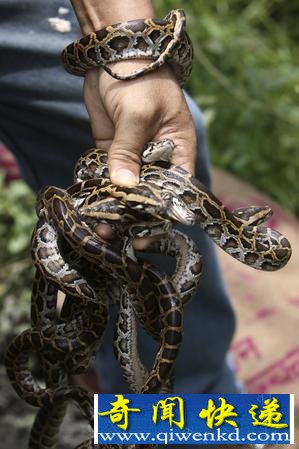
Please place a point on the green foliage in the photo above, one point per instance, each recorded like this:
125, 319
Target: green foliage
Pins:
17, 218
246, 80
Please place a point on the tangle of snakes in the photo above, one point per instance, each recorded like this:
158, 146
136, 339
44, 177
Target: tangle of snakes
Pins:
71, 257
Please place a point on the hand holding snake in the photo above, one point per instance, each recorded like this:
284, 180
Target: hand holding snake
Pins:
124, 116
70, 256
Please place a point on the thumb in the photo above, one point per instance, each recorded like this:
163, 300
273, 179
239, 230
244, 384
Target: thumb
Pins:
124, 155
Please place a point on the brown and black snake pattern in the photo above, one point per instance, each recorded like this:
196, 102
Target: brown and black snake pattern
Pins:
67, 344
173, 195
147, 286
158, 40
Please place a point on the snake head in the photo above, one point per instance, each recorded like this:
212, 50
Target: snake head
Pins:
176, 209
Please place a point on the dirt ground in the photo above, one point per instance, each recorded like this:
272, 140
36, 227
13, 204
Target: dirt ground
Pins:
16, 419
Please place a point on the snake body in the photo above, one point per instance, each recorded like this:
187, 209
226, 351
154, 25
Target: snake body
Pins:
186, 278
70, 256
174, 195
158, 40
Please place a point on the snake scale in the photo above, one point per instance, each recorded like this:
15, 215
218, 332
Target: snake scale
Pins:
71, 257
158, 40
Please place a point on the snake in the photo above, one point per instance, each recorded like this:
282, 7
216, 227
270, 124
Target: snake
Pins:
51, 339
172, 194
158, 40
186, 278
70, 256
165, 195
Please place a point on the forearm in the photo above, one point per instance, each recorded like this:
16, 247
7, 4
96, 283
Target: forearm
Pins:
96, 14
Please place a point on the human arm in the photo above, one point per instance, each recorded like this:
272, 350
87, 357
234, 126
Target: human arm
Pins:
124, 115
93, 15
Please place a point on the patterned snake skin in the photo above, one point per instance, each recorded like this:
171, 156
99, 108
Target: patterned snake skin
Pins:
71, 257
174, 195
159, 40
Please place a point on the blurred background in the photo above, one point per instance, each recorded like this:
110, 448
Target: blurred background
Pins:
246, 80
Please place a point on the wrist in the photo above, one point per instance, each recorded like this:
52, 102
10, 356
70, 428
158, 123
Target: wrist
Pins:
94, 15
126, 67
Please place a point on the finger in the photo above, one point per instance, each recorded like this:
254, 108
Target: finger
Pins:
141, 243
124, 154
184, 155
183, 135
185, 149
104, 230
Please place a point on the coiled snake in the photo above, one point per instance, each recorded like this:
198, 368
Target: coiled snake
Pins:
69, 255
159, 40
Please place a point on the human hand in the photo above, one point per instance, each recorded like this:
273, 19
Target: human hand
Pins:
125, 115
